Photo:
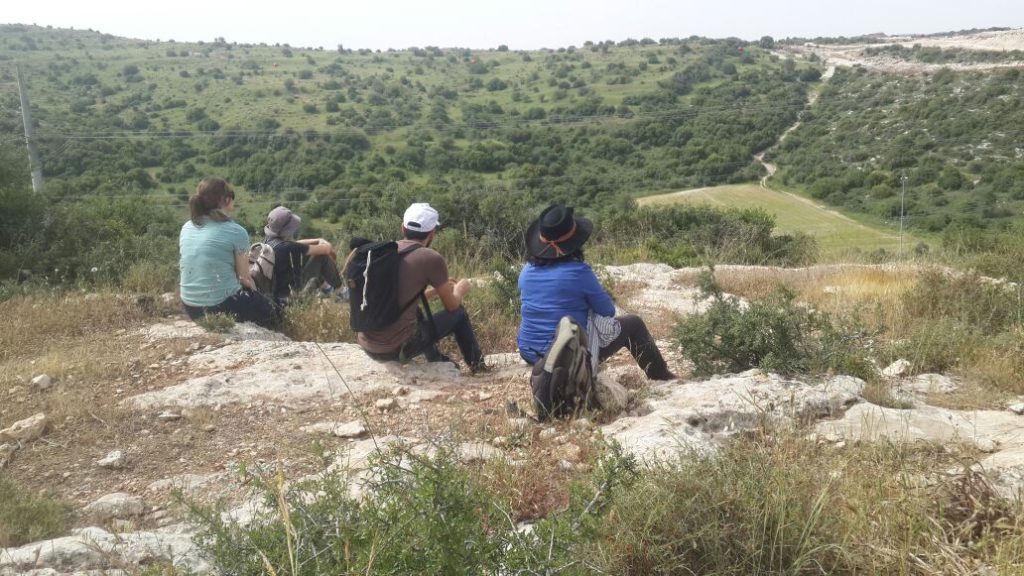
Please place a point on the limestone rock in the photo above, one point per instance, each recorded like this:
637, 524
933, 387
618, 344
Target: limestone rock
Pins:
998, 433
931, 384
168, 416
570, 452
385, 404
612, 396
42, 382
114, 460
1017, 408
896, 369
478, 452
695, 416
93, 548
354, 429
660, 293
297, 374
187, 483
24, 430
116, 505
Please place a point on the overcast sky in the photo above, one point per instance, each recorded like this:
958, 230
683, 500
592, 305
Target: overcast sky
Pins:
521, 24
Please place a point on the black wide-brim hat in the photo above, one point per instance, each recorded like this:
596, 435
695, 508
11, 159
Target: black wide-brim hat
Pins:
557, 233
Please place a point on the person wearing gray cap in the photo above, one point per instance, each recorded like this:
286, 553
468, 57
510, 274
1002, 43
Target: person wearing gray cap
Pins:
299, 264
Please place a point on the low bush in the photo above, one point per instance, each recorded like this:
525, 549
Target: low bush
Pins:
216, 322
27, 517
981, 305
420, 514
775, 334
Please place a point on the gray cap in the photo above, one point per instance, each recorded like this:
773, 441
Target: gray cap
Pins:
281, 222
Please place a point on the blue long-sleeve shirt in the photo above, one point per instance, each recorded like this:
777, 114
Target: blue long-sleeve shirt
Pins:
550, 292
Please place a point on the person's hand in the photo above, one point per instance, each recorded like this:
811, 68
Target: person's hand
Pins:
462, 288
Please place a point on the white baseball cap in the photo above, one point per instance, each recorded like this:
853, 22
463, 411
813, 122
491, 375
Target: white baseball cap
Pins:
420, 217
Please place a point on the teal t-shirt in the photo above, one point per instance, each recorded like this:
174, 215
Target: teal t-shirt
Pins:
207, 262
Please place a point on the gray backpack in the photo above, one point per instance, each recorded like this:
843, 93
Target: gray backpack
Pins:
261, 266
563, 380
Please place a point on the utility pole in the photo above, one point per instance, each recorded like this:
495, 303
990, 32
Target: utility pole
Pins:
903, 195
26, 117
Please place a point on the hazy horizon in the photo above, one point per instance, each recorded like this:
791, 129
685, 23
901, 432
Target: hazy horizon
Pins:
532, 24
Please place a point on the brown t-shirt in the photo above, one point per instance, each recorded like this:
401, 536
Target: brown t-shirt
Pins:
416, 270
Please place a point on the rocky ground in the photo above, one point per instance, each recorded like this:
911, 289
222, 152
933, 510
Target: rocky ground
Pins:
191, 406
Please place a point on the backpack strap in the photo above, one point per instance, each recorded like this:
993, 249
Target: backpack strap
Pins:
422, 296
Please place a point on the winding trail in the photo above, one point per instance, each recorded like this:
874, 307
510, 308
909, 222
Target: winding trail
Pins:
812, 97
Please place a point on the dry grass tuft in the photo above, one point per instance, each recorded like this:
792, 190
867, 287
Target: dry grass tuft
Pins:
45, 322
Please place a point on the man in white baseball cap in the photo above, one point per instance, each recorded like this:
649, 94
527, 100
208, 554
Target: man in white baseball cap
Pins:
422, 268
420, 217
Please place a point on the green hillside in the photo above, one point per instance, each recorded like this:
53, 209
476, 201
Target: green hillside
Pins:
954, 135
119, 116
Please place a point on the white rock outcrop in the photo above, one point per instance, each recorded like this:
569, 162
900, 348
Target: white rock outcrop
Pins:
116, 505
294, 373
694, 416
96, 549
24, 430
354, 429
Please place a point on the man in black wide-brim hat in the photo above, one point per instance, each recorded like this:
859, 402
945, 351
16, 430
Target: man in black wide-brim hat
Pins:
556, 282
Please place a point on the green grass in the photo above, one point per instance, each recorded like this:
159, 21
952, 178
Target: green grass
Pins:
837, 235
26, 517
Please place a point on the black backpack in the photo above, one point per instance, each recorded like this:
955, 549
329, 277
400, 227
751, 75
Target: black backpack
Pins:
372, 277
563, 379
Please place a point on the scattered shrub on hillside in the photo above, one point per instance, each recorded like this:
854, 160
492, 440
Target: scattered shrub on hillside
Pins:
776, 334
27, 517
216, 322
978, 304
786, 505
419, 514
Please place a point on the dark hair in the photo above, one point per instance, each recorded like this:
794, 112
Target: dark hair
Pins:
576, 255
207, 201
414, 234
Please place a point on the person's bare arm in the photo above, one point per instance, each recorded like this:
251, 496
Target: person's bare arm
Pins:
242, 269
452, 293
317, 246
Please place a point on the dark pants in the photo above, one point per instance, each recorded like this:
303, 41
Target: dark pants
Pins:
424, 340
638, 340
321, 269
640, 343
244, 306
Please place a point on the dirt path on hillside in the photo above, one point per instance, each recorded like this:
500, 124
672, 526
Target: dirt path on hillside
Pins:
812, 97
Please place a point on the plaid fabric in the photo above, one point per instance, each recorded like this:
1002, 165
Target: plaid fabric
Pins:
601, 330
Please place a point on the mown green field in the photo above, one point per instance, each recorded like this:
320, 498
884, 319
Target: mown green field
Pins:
838, 235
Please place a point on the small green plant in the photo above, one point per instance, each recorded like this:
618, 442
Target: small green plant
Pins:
776, 334
27, 517
219, 323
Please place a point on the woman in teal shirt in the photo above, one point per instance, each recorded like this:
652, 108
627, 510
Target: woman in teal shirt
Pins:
215, 277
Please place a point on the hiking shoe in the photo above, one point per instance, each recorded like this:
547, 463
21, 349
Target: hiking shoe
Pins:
342, 294
479, 368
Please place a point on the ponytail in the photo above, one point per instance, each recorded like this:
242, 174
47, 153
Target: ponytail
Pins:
207, 201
